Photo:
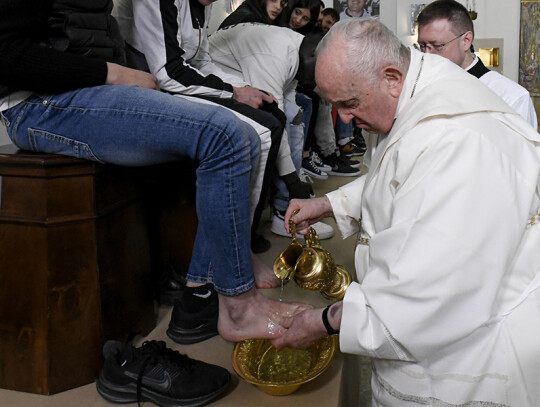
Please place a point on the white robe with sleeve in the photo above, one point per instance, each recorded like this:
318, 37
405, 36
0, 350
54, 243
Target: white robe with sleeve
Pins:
448, 261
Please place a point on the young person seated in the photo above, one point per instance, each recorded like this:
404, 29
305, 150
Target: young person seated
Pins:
249, 51
59, 93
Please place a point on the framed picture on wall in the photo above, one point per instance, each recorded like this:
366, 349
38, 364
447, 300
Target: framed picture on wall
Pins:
529, 47
415, 10
357, 8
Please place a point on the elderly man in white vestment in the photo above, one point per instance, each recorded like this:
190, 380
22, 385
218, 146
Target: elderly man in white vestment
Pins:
448, 256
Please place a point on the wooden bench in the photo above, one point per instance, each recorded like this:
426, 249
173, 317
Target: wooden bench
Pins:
75, 264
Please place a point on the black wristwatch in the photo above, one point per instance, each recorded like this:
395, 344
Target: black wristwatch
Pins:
329, 329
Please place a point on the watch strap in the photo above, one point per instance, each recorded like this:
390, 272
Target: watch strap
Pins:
329, 329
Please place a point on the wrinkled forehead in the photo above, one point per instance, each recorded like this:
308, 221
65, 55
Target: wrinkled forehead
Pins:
331, 67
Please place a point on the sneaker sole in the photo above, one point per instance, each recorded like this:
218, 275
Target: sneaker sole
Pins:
324, 168
298, 235
324, 175
343, 174
128, 394
184, 336
355, 164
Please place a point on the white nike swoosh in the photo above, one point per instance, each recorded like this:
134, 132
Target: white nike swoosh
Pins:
205, 295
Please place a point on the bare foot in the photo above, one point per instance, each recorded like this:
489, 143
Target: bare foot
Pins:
264, 275
251, 315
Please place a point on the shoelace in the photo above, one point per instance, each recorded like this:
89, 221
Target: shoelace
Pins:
157, 352
315, 159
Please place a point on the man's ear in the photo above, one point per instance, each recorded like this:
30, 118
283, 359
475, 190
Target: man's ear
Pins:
394, 78
467, 40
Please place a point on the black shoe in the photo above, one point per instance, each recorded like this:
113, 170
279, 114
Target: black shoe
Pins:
170, 285
259, 244
158, 374
349, 161
359, 139
339, 167
195, 316
351, 149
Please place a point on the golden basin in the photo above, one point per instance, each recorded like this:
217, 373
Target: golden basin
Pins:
281, 372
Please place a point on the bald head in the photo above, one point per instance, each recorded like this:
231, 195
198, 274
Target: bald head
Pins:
361, 67
368, 45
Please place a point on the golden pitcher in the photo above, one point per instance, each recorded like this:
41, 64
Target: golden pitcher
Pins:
312, 267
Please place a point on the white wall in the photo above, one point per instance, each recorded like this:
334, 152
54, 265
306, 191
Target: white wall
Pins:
496, 19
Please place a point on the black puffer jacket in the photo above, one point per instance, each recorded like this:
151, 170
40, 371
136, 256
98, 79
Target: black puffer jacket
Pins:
86, 28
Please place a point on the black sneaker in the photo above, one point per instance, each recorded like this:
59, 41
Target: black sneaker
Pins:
339, 167
171, 284
359, 139
195, 316
350, 149
312, 169
158, 374
350, 162
259, 244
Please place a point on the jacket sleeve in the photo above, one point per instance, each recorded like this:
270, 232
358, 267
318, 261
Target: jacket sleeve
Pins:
28, 64
161, 28
346, 204
204, 62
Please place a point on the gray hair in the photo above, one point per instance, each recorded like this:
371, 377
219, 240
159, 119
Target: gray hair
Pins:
369, 45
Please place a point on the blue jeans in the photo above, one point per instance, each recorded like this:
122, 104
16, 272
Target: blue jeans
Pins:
306, 104
132, 126
295, 134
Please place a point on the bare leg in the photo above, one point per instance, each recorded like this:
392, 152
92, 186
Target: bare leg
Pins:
264, 275
251, 315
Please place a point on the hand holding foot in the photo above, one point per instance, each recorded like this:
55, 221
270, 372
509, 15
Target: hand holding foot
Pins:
251, 315
305, 327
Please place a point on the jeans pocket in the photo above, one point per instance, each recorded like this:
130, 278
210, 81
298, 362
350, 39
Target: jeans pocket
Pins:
46, 142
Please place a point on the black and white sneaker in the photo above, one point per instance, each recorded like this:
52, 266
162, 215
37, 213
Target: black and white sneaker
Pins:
314, 157
158, 374
195, 316
310, 168
340, 167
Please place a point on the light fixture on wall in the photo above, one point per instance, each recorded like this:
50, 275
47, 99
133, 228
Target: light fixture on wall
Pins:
489, 56
471, 6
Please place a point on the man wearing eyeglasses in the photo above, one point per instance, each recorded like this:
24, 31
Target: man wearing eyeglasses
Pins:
445, 28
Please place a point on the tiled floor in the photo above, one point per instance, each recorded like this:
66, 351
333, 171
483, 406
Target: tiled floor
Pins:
322, 392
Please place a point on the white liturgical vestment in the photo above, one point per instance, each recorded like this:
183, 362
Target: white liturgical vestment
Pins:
448, 255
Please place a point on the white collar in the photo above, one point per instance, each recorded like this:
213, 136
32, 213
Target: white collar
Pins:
473, 63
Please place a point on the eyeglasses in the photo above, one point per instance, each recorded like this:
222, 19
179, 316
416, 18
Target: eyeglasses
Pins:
437, 48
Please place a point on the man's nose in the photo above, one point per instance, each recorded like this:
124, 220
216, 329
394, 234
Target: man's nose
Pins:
346, 116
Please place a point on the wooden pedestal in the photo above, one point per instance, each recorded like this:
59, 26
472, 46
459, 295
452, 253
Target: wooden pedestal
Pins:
74, 268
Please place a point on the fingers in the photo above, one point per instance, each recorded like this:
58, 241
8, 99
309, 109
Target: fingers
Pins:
268, 97
279, 343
